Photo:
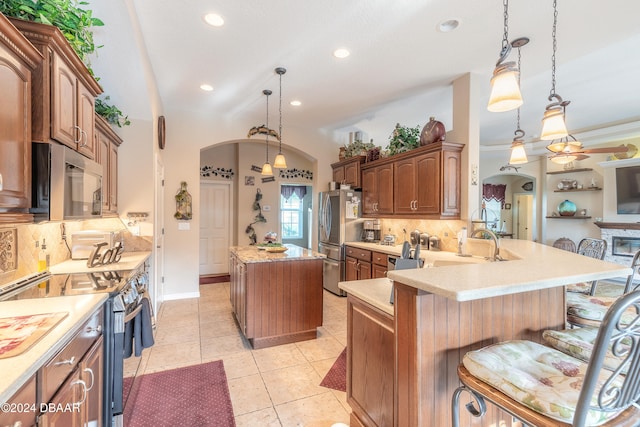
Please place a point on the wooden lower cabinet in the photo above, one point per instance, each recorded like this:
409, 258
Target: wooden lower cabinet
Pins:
357, 263
370, 364
277, 302
380, 265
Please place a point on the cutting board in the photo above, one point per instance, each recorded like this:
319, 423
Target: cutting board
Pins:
19, 333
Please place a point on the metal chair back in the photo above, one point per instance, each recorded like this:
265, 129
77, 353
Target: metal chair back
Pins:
620, 390
593, 248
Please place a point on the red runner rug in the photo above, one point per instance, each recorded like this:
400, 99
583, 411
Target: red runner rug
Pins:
192, 396
336, 378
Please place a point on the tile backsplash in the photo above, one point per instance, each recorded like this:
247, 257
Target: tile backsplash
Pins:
446, 230
19, 253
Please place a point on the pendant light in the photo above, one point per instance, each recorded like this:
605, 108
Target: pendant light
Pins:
280, 162
505, 90
518, 153
266, 168
553, 124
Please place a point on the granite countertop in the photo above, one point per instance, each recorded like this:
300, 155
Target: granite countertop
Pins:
251, 254
128, 261
532, 266
15, 371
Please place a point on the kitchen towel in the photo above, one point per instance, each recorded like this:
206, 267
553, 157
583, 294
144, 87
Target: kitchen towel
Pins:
139, 331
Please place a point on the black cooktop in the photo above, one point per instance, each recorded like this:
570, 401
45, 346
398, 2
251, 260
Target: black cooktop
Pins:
68, 284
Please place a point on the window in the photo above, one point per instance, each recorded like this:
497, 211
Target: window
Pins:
291, 211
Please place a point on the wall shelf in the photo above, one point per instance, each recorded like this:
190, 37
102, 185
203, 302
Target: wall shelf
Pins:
569, 171
568, 217
572, 190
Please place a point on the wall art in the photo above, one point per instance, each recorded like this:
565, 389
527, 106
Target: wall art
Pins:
207, 171
296, 173
249, 180
269, 179
8, 250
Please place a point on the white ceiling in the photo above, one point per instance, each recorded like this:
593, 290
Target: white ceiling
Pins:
400, 69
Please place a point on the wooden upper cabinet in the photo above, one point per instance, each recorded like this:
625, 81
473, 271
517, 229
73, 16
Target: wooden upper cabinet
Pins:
348, 171
64, 92
377, 190
107, 143
18, 58
424, 182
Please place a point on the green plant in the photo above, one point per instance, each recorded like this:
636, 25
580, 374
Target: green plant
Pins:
356, 147
403, 138
111, 113
74, 22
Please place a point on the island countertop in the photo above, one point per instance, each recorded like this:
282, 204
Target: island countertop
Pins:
531, 266
251, 254
15, 371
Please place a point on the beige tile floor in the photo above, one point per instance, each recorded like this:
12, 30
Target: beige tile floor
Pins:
277, 386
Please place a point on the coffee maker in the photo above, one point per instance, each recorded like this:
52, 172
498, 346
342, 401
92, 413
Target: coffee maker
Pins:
371, 231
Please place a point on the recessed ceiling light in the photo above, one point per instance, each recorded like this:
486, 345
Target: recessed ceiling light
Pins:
214, 19
206, 87
296, 103
448, 25
341, 53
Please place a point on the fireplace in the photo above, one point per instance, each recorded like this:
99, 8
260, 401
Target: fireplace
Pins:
624, 246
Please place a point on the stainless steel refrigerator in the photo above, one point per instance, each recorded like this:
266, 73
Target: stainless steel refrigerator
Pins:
339, 221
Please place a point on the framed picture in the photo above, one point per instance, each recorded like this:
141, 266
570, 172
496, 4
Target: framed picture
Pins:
507, 205
249, 180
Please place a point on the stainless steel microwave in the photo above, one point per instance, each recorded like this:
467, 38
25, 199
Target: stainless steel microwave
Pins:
65, 184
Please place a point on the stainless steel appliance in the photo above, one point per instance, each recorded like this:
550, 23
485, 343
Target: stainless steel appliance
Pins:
371, 231
65, 184
126, 288
338, 222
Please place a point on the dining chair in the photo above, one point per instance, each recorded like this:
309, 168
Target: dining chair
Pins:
589, 310
593, 248
544, 387
565, 243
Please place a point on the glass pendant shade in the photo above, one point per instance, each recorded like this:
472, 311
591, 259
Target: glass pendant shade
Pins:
280, 162
266, 169
553, 126
505, 90
518, 153
563, 160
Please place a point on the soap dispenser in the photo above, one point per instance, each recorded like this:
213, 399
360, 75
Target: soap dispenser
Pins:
43, 257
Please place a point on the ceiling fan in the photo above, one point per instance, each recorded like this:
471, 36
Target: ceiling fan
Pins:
568, 149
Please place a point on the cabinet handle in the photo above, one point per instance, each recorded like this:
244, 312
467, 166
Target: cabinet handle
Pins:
91, 329
0, 182
83, 138
90, 371
77, 141
84, 391
66, 362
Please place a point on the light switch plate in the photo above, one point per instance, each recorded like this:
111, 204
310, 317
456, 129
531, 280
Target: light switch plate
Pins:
266, 208
184, 225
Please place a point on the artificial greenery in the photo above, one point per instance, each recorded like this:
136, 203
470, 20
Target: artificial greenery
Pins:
111, 113
403, 138
357, 147
74, 22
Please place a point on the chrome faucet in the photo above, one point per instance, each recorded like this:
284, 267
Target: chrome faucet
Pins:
496, 240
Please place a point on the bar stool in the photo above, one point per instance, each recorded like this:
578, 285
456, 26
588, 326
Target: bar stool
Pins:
544, 387
593, 248
589, 310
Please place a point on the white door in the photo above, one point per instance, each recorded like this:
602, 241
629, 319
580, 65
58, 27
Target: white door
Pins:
157, 282
523, 218
215, 227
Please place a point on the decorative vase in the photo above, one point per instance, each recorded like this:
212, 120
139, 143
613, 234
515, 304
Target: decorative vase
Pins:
432, 132
567, 208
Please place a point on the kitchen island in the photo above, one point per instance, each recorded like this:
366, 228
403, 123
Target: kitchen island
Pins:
413, 348
276, 297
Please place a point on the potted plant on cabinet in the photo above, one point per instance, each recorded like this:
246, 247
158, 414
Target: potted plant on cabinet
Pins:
403, 138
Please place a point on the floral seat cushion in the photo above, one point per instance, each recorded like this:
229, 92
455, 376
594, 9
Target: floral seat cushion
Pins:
541, 378
593, 307
579, 344
603, 289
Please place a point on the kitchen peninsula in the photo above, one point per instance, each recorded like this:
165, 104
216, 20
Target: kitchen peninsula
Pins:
413, 347
276, 297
